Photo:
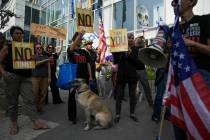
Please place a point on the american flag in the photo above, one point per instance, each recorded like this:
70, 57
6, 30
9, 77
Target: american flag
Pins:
102, 41
189, 96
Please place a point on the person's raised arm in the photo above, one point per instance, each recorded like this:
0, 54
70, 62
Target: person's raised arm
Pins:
77, 41
49, 72
3, 54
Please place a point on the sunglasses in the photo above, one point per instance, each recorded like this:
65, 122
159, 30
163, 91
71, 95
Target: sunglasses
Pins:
39, 48
174, 2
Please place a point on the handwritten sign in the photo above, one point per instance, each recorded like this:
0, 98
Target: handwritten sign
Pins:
21, 55
84, 20
118, 40
44, 30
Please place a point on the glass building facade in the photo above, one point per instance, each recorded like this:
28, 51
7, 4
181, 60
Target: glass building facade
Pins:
58, 13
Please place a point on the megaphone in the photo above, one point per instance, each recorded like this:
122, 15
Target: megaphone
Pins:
154, 54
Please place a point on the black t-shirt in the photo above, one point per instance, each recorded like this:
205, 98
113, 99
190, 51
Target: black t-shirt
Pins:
139, 65
81, 58
93, 57
9, 64
198, 29
126, 66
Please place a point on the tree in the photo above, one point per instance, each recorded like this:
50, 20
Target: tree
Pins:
5, 15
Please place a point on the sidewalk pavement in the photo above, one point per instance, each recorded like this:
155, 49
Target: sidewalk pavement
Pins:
62, 129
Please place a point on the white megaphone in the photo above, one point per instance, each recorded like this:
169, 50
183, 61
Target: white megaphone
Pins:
154, 54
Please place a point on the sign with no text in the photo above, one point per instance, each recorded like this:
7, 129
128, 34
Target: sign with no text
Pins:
118, 40
84, 20
44, 30
21, 55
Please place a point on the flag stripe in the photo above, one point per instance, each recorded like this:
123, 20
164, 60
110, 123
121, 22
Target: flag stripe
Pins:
191, 111
175, 101
197, 103
191, 127
202, 89
102, 41
177, 117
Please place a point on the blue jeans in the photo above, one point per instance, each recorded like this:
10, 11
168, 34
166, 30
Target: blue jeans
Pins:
160, 82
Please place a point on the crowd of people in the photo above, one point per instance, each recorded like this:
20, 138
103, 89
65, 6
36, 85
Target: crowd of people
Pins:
32, 85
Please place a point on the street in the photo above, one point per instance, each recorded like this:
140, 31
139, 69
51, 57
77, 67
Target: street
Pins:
62, 129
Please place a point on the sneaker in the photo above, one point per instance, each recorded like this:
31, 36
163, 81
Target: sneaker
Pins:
134, 118
117, 119
155, 119
73, 121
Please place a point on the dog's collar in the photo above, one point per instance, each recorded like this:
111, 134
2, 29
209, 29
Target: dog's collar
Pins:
82, 91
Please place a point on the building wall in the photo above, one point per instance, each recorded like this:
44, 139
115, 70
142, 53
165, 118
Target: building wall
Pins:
20, 9
9, 6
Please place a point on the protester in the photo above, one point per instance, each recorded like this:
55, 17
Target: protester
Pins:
53, 64
160, 83
82, 59
41, 77
126, 74
196, 32
140, 70
3, 102
18, 82
93, 57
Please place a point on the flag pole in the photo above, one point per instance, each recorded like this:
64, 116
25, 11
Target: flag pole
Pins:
112, 14
134, 30
161, 123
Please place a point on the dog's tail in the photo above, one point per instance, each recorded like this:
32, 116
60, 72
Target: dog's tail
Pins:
102, 123
99, 127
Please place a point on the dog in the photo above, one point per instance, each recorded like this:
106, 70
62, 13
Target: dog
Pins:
94, 106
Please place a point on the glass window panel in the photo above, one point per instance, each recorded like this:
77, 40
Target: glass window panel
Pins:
53, 24
58, 9
48, 14
118, 15
66, 7
52, 12
27, 15
106, 17
96, 23
35, 17
43, 16
26, 36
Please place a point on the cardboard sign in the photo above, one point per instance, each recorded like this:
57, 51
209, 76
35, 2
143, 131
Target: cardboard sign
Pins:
84, 20
118, 40
44, 30
21, 55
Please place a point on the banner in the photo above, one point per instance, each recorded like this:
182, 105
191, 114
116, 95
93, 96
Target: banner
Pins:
44, 30
84, 20
21, 55
118, 40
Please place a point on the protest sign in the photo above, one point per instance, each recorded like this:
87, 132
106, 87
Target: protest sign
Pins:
84, 20
118, 40
21, 55
44, 30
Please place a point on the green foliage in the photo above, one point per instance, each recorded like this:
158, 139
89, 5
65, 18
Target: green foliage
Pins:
108, 75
